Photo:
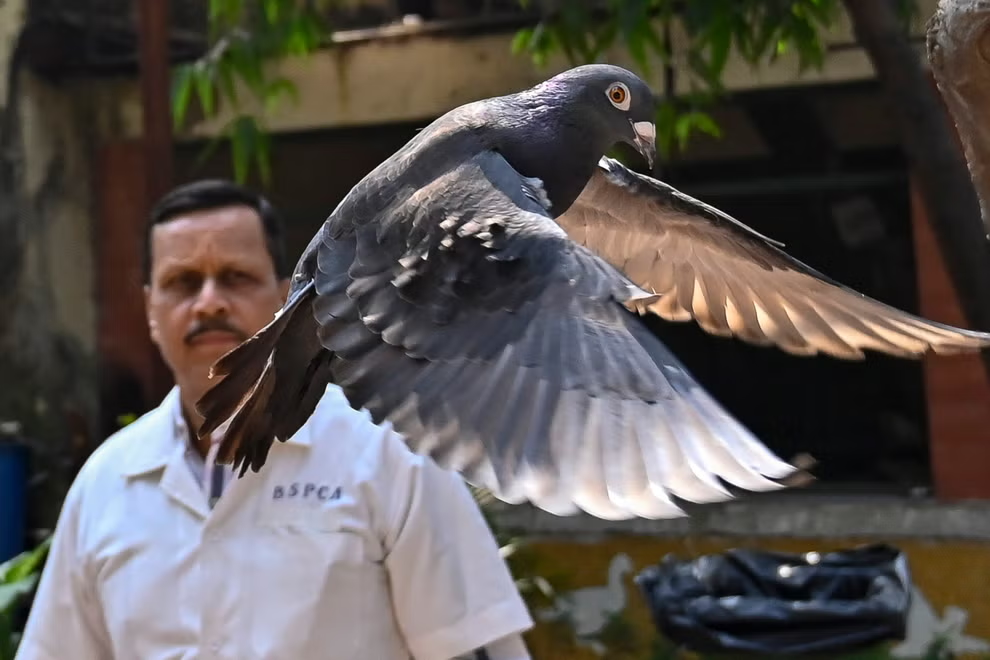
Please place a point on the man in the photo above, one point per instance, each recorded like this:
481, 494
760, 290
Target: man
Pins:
347, 545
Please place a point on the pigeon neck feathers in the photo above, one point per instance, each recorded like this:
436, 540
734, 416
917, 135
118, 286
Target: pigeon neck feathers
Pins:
547, 135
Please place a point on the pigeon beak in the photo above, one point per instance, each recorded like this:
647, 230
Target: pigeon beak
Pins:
646, 140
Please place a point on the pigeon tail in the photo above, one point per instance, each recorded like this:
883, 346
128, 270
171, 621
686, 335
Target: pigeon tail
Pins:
271, 385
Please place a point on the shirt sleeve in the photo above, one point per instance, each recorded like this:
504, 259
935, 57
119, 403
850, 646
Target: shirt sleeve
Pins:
452, 591
510, 647
65, 620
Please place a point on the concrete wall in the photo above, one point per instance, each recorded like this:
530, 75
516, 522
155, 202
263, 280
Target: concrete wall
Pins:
60, 256
48, 327
957, 388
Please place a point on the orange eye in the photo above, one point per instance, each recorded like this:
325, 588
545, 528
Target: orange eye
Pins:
618, 94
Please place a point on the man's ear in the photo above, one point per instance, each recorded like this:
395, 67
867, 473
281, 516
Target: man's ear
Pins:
152, 325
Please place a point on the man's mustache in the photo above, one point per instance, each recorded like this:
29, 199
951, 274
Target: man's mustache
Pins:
214, 325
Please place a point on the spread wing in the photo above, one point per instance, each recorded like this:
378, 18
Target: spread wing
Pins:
704, 265
465, 316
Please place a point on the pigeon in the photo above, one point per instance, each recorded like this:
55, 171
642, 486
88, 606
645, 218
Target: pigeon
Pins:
484, 291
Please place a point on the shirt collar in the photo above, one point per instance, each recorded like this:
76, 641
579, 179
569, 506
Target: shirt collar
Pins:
161, 430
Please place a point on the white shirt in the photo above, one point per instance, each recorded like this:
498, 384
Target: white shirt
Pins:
345, 545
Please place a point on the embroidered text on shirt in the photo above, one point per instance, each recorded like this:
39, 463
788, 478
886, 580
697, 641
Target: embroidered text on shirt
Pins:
321, 492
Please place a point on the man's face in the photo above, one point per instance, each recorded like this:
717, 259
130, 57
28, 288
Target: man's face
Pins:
212, 285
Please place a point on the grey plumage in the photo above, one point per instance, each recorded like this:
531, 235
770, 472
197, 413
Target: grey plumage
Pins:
481, 290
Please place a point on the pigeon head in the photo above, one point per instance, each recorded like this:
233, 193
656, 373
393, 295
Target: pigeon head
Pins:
558, 130
615, 104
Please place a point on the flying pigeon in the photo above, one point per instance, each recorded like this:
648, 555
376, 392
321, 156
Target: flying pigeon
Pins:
483, 290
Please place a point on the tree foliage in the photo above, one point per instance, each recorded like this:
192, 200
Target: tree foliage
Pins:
759, 30
245, 37
691, 39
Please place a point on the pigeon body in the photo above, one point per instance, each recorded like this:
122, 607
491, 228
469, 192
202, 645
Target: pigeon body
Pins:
482, 290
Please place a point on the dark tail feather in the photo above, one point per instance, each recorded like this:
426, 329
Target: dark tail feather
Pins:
246, 363
271, 385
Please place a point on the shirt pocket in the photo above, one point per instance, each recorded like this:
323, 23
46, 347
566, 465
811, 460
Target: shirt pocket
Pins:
317, 588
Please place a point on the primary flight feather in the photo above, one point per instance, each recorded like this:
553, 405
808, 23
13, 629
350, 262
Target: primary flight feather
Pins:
482, 290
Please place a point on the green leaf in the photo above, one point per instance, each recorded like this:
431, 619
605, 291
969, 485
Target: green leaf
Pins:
666, 119
242, 132
633, 24
18, 578
215, 10
262, 155
210, 148
521, 40
182, 85
692, 121
704, 122
12, 592
278, 89
228, 84
250, 145
8, 639
24, 564
125, 419
204, 89
271, 8
537, 38
720, 43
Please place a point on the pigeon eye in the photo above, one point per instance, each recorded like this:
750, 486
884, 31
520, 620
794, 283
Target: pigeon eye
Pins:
618, 94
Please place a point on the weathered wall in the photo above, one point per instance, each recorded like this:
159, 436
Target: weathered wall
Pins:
48, 326
957, 389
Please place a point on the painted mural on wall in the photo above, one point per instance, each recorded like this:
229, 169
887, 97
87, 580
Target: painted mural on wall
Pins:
925, 626
588, 610
598, 612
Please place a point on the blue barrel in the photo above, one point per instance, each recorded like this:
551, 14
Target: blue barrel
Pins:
13, 498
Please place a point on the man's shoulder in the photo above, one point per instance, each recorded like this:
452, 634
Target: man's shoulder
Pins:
348, 426
337, 430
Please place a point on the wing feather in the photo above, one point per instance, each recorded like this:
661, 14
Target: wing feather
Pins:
453, 306
502, 349
733, 281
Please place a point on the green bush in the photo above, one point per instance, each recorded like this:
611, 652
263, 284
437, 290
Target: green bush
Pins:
18, 578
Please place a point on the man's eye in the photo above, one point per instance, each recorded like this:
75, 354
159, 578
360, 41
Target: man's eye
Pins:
238, 277
183, 282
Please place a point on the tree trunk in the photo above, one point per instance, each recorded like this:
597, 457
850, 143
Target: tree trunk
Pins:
933, 154
958, 36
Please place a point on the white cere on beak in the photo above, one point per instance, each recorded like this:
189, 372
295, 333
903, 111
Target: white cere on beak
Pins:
645, 131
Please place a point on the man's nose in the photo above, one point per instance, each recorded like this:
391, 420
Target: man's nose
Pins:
212, 299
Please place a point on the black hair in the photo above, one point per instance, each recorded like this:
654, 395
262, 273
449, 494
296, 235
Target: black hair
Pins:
217, 193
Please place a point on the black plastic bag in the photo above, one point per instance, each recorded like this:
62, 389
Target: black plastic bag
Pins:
758, 601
